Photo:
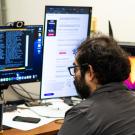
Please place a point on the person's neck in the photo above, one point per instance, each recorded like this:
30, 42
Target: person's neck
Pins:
95, 86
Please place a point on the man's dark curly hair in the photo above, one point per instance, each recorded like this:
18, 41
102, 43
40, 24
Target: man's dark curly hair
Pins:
108, 60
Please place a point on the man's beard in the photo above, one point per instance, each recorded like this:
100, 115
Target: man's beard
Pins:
82, 88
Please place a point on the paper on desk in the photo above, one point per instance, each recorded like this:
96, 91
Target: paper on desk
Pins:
8, 119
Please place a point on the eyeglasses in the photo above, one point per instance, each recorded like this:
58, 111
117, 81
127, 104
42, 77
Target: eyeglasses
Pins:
72, 69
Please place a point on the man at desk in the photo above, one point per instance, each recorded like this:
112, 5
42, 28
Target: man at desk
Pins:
99, 69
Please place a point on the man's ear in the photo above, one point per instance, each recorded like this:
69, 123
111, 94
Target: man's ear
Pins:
91, 73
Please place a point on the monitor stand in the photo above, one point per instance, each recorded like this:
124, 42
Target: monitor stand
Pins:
68, 101
71, 101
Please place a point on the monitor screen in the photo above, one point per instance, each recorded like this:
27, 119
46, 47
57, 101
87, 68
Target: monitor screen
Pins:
65, 28
130, 82
129, 47
20, 54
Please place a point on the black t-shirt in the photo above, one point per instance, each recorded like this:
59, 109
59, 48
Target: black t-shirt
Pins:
109, 111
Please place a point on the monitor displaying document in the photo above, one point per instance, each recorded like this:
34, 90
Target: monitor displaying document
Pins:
65, 28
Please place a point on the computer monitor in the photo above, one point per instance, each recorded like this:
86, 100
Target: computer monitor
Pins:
65, 28
129, 47
20, 54
130, 82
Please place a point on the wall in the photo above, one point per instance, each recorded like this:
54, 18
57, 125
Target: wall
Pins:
119, 12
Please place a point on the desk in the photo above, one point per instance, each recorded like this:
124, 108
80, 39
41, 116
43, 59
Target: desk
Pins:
47, 129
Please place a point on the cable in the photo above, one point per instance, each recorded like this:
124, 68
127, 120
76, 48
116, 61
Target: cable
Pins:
29, 98
28, 92
46, 116
32, 102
